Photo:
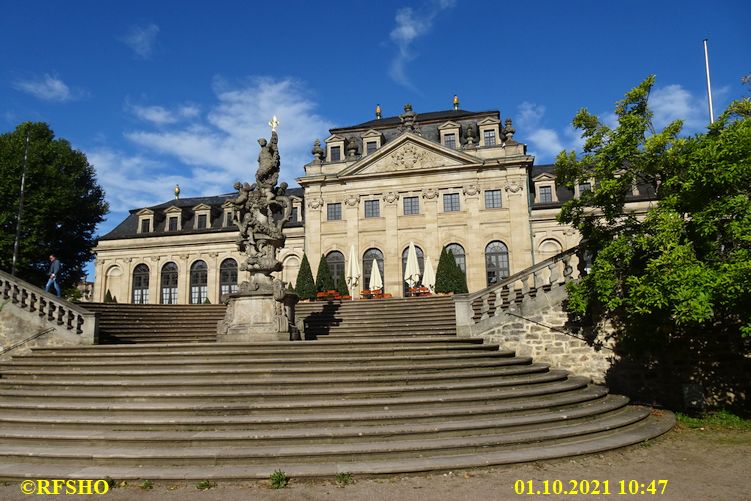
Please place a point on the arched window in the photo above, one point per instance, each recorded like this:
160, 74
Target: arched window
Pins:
420, 264
141, 284
291, 269
228, 277
169, 284
367, 265
199, 280
458, 252
335, 260
496, 262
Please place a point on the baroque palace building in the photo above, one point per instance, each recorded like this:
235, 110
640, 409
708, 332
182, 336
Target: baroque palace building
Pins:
454, 178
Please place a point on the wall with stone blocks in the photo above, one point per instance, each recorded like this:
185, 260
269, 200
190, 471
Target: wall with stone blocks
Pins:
539, 328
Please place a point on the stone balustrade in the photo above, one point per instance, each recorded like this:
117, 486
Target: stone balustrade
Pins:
508, 294
37, 309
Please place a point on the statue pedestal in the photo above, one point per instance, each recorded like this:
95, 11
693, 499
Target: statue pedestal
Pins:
258, 316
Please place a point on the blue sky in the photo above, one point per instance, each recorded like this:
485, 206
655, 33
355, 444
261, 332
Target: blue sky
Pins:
159, 93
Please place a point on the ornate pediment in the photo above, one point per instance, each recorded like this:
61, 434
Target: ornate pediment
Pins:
409, 153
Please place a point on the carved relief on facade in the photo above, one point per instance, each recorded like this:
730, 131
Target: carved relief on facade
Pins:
430, 193
513, 187
407, 157
315, 203
352, 200
471, 190
391, 197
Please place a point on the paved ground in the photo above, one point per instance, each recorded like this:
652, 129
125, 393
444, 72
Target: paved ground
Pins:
698, 465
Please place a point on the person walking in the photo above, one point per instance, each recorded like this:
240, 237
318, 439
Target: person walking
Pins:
53, 273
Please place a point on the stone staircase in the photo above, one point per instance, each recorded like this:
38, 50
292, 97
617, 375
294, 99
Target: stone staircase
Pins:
157, 323
385, 388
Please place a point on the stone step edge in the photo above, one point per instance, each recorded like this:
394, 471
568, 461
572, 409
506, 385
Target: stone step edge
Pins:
502, 393
649, 428
448, 386
556, 431
606, 404
550, 400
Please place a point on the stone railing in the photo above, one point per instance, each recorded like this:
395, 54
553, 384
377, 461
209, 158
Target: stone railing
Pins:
44, 310
507, 295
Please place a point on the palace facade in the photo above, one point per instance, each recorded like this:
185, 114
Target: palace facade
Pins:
453, 178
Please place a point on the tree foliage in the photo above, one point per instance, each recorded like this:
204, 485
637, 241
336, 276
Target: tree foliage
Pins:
62, 204
448, 276
305, 286
324, 281
681, 268
341, 286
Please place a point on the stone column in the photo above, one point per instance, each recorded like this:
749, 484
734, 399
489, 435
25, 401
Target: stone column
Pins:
313, 218
429, 201
212, 277
520, 239
475, 280
183, 279
352, 216
392, 258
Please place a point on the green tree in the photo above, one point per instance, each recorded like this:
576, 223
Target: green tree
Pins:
324, 281
62, 204
677, 273
459, 279
341, 286
305, 286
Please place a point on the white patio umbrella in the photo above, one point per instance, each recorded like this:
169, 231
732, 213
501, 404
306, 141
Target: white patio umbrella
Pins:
375, 277
412, 269
428, 278
353, 271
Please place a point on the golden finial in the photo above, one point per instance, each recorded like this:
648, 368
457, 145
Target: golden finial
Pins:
456, 102
177, 192
378, 111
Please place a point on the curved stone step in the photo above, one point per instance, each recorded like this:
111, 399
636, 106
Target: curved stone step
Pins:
597, 442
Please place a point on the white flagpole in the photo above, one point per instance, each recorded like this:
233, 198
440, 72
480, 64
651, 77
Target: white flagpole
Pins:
709, 83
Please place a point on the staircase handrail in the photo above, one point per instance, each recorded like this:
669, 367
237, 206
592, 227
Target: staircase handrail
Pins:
60, 313
519, 285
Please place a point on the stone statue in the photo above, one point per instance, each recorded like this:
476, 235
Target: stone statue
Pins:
508, 132
408, 119
261, 306
317, 151
470, 135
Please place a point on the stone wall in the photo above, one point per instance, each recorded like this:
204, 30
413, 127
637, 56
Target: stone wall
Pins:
540, 328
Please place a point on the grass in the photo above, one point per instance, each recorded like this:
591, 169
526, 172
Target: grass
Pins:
278, 480
205, 484
717, 421
147, 485
344, 479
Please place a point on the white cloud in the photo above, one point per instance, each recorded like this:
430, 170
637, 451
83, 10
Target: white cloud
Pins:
545, 143
206, 155
410, 25
673, 102
159, 115
47, 88
141, 40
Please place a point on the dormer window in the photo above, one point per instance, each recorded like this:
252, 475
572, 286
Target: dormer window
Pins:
145, 221
489, 131
372, 140
450, 135
202, 219
229, 216
173, 216
545, 191
335, 148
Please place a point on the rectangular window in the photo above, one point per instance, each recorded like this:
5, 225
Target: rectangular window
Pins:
228, 218
145, 225
293, 215
172, 224
336, 153
451, 202
372, 209
333, 212
492, 199
489, 137
585, 187
371, 146
546, 194
449, 140
411, 205
201, 223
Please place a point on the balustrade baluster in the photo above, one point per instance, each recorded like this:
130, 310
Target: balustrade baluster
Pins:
485, 307
69, 318
51, 307
60, 315
15, 293
32, 301
79, 323
498, 302
42, 306
24, 296
6, 289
